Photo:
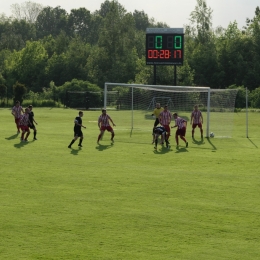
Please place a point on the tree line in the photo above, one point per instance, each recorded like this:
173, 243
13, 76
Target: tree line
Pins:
48, 49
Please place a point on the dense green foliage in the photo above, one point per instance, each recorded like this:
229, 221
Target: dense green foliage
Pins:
126, 201
108, 45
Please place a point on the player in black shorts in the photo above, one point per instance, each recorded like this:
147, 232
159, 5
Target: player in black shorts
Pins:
32, 120
160, 131
77, 130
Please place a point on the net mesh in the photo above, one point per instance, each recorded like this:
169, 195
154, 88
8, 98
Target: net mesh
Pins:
141, 99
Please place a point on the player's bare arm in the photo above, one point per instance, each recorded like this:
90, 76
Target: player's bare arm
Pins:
112, 122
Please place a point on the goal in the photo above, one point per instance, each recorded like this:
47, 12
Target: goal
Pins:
217, 105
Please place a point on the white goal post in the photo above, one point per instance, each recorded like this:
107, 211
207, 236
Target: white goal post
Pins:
217, 105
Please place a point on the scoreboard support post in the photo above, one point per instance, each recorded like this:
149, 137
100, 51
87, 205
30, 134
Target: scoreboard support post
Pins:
154, 74
165, 46
175, 76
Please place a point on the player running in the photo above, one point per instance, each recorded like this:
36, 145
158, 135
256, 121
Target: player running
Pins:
32, 120
103, 124
77, 130
17, 111
23, 124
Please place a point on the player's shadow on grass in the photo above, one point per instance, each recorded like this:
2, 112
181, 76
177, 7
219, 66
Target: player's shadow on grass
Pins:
181, 149
21, 145
12, 137
198, 142
75, 151
102, 147
161, 150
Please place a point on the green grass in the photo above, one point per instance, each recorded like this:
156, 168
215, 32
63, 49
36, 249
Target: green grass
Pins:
126, 201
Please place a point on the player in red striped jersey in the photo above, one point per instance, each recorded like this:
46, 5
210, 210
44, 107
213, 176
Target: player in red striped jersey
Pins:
24, 125
181, 124
196, 119
103, 124
165, 120
17, 111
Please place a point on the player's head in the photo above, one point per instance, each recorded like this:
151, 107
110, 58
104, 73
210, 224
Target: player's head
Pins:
27, 110
104, 111
80, 113
30, 107
17, 103
165, 107
175, 115
158, 105
196, 107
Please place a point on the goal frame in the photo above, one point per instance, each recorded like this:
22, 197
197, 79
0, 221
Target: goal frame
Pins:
205, 89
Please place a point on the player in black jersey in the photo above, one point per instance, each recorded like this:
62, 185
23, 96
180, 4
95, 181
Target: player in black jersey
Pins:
77, 130
32, 120
160, 131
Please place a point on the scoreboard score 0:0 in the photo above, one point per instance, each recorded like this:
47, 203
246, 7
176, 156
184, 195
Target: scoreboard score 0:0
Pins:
164, 46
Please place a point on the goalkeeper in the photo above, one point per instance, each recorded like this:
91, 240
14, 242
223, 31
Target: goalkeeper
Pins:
156, 113
160, 131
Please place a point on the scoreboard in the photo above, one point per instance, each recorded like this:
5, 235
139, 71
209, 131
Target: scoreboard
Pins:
164, 46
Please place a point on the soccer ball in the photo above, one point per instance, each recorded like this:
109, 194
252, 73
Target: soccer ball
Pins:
211, 134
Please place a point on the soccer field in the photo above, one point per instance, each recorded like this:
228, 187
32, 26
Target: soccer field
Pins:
126, 200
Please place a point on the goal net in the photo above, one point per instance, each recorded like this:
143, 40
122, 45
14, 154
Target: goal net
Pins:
136, 103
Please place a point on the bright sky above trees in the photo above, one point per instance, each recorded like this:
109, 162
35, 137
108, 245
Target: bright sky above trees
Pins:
174, 13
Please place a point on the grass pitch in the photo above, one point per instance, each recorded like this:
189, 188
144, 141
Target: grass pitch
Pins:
125, 200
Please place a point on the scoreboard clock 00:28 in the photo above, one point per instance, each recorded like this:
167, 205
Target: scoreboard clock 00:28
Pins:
164, 46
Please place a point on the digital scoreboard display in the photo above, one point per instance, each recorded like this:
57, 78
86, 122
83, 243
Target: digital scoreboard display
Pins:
164, 46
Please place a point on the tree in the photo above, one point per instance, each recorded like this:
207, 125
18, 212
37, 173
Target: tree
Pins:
27, 11
3, 90
117, 40
19, 90
141, 20
201, 19
200, 49
255, 98
51, 21
79, 23
29, 66
241, 96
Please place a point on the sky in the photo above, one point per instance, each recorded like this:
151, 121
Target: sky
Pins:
175, 13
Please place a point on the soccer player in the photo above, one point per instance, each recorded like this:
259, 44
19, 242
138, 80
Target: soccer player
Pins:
181, 130
32, 120
24, 122
103, 124
196, 119
77, 130
160, 131
17, 111
158, 109
165, 118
